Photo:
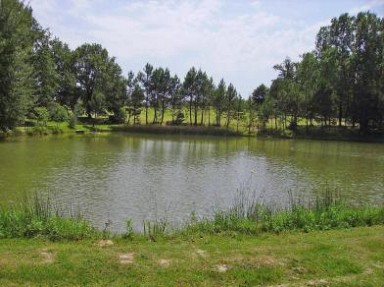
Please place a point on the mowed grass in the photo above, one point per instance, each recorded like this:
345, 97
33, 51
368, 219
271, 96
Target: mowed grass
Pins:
348, 257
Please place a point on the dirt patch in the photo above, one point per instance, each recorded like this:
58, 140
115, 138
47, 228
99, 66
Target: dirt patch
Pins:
164, 262
127, 258
105, 243
318, 283
201, 253
48, 256
266, 260
256, 261
222, 268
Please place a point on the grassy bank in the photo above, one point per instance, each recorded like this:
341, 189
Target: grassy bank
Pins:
62, 128
178, 130
348, 257
40, 217
315, 132
249, 245
323, 133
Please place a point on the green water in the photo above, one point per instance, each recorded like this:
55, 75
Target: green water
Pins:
116, 177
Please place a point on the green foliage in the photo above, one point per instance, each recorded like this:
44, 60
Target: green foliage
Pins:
129, 233
72, 120
119, 117
45, 70
16, 40
340, 81
58, 113
42, 116
154, 229
247, 216
230, 98
41, 218
99, 79
218, 101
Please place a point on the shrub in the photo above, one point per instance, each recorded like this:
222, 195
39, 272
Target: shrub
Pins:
72, 121
119, 117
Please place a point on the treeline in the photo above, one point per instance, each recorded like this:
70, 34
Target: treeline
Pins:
42, 78
340, 83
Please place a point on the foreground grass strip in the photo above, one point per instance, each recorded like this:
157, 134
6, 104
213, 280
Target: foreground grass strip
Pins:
348, 257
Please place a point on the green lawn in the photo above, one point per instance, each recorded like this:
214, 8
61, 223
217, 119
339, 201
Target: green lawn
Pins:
349, 257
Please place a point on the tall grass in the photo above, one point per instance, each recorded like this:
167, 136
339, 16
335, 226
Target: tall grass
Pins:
328, 211
154, 229
40, 217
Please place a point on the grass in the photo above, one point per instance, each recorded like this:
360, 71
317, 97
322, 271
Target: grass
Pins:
180, 130
250, 245
348, 257
39, 217
247, 216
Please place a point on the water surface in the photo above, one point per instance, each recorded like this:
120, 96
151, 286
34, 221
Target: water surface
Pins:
118, 176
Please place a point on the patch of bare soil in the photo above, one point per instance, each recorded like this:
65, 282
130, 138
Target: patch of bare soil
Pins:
104, 243
164, 262
48, 256
256, 261
201, 253
222, 268
127, 258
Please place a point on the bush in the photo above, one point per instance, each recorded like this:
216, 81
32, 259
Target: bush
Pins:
119, 117
72, 121
58, 113
42, 115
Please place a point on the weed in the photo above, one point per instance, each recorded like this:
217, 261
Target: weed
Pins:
154, 229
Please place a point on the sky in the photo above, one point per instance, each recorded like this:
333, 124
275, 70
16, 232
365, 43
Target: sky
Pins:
239, 41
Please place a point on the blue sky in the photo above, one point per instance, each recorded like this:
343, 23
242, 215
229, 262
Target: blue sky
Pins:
239, 41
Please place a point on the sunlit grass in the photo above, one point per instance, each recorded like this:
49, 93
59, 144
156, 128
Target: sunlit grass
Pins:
349, 257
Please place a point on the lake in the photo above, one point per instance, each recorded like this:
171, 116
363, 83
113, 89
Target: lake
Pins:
115, 177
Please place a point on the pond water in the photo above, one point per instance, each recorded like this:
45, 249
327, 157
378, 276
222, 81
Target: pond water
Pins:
115, 177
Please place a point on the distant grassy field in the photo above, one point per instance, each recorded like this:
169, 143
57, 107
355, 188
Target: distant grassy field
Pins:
349, 257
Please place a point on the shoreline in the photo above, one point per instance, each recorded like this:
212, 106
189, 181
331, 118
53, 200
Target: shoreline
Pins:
313, 133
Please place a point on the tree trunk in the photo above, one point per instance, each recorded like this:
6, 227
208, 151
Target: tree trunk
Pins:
218, 117
228, 119
209, 116
190, 111
202, 116
195, 114
340, 113
162, 112
155, 116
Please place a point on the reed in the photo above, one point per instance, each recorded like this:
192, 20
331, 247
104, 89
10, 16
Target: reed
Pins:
248, 215
40, 217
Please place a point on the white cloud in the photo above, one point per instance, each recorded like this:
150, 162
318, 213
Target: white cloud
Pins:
239, 41
368, 6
